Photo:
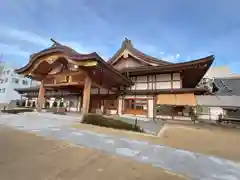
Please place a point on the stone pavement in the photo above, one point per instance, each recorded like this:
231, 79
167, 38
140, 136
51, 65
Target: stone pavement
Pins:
189, 164
25, 156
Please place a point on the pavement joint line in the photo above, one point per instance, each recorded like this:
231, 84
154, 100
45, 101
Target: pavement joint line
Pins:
176, 174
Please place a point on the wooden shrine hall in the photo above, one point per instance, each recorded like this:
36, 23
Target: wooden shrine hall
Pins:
130, 82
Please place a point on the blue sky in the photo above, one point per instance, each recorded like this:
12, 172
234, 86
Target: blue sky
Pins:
176, 30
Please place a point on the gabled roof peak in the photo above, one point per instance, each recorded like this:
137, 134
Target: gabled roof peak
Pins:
127, 43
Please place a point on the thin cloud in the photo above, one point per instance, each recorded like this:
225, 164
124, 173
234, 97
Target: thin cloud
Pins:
170, 58
22, 35
76, 46
13, 50
35, 39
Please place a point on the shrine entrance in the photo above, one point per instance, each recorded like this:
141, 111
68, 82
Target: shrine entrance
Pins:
61, 68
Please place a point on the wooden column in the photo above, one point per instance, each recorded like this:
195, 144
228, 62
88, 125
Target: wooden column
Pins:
86, 95
26, 102
41, 98
79, 103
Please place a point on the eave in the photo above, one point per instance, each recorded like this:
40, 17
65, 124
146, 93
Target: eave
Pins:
191, 72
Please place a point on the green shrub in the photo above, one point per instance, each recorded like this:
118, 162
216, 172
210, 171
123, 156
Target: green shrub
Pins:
22, 103
111, 123
54, 104
61, 104
33, 104
47, 104
18, 103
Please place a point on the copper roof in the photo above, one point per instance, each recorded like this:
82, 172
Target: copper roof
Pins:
56, 48
73, 55
127, 44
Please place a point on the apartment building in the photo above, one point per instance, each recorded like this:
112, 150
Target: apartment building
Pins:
9, 81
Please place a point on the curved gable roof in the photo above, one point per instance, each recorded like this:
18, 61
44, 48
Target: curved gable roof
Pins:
127, 45
74, 56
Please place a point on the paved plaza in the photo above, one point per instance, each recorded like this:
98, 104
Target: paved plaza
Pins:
185, 163
25, 156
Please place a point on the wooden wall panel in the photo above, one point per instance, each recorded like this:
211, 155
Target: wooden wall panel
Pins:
61, 79
176, 84
48, 81
78, 78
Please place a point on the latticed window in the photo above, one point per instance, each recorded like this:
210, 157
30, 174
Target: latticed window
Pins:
140, 104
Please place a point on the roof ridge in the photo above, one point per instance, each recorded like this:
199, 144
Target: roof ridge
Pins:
127, 43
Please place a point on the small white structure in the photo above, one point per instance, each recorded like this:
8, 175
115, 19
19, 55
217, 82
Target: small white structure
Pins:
213, 106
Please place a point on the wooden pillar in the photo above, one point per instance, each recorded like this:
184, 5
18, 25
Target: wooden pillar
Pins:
41, 98
79, 103
26, 102
31, 102
86, 95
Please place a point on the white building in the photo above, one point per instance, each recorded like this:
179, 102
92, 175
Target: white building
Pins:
9, 80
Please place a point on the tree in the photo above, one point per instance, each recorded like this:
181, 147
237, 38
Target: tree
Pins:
192, 115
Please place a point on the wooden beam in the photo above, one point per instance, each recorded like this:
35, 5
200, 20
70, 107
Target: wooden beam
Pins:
70, 73
171, 80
